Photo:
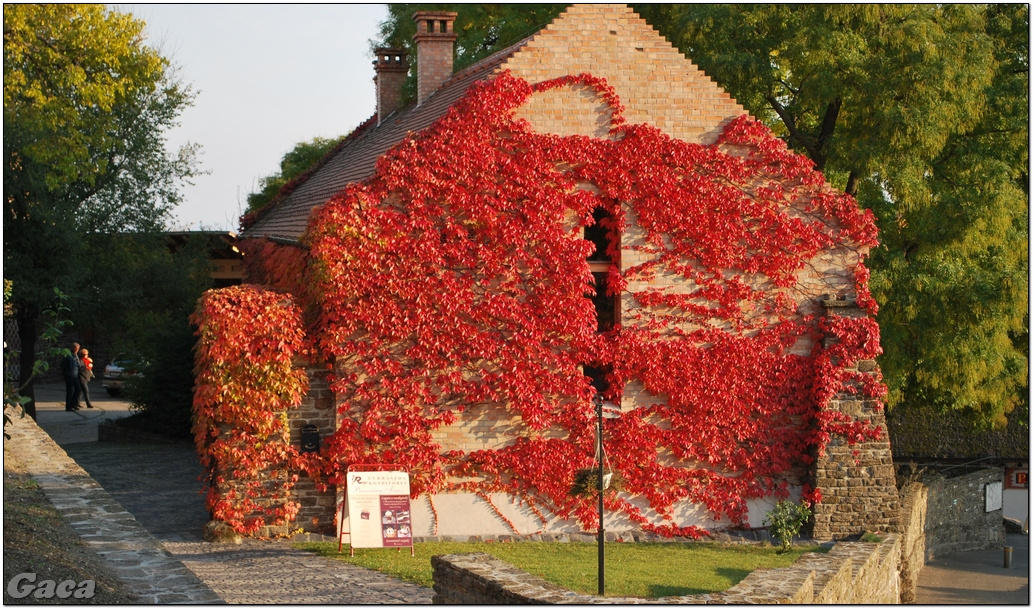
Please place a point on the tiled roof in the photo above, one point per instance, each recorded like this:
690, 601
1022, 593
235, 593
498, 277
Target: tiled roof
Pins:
355, 159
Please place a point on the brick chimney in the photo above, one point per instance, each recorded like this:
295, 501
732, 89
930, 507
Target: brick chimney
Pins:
434, 43
392, 67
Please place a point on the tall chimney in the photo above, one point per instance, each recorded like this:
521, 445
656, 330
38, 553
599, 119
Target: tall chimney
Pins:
391, 67
434, 41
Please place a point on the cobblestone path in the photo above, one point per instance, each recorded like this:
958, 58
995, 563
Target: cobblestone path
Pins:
159, 486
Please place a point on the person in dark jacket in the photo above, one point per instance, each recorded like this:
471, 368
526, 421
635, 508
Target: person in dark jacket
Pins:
85, 374
70, 368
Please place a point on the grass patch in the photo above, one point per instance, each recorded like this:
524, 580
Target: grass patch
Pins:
649, 570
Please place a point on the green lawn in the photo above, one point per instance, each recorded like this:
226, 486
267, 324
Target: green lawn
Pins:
632, 569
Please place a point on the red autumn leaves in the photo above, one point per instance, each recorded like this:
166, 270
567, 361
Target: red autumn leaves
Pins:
450, 290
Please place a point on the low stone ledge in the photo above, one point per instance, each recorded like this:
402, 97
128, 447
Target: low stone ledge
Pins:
728, 536
850, 573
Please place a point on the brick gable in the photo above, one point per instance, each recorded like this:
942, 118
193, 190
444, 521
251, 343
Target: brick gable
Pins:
657, 84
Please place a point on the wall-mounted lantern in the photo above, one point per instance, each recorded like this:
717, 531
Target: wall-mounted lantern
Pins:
310, 439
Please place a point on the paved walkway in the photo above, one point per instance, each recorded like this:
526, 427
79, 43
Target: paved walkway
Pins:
977, 577
136, 557
154, 543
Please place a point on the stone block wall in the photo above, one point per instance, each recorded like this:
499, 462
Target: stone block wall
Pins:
914, 505
850, 573
857, 483
317, 511
957, 520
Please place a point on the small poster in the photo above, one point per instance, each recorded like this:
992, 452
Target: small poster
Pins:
994, 496
379, 514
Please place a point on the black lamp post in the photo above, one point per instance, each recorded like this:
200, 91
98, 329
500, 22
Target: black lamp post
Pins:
599, 485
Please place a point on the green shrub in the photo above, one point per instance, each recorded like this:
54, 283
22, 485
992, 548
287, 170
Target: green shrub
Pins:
786, 520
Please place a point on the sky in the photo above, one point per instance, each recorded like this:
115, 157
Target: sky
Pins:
266, 77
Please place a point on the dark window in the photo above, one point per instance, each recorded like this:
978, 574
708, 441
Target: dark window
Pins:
599, 236
605, 306
597, 375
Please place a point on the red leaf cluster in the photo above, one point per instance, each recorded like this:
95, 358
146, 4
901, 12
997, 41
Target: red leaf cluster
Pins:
245, 382
450, 289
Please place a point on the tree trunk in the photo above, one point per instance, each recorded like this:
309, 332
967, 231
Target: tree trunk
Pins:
27, 318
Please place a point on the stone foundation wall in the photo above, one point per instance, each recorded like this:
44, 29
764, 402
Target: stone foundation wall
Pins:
317, 511
850, 573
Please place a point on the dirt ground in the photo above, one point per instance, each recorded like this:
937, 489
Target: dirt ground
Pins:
37, 540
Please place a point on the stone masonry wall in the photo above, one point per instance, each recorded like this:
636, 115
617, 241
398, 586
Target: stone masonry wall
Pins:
944, 515
857, 483
317, 511
957, 520
914, 504
850, 573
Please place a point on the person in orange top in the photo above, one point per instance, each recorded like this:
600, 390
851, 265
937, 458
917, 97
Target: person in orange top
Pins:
85, 374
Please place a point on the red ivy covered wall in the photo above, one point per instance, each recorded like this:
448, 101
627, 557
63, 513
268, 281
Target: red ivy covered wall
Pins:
449, 290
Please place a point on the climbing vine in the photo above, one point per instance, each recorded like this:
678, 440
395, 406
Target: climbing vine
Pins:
245, 382
450, 289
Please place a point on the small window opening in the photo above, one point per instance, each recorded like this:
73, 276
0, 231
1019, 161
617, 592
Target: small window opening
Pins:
607, 308
597, 375
605, 305
599, 235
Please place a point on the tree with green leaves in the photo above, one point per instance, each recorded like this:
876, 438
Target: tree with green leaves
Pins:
86, 109
921, 112
157, 331
299, 159
54, 321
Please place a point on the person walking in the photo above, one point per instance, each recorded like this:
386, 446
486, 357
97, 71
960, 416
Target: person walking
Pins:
70, 368
85, 375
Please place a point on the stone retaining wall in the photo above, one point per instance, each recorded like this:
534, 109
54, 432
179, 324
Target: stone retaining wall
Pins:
957, 520
850, 573
937, 516
914, 505
944, 515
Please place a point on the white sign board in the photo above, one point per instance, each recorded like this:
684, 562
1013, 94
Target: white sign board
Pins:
379, 515
994, 496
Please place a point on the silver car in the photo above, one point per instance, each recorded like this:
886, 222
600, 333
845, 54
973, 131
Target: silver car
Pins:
116, 373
